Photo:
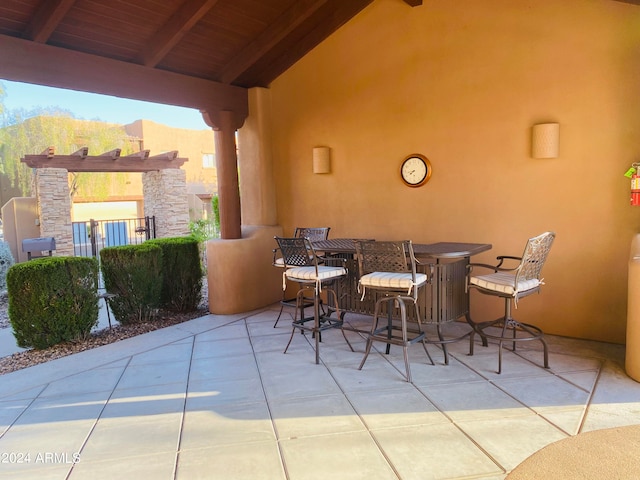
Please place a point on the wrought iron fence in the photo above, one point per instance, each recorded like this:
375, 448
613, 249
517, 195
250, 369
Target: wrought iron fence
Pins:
92, 236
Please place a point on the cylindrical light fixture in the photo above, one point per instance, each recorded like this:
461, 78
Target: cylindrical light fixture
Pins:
321, 160
545, 140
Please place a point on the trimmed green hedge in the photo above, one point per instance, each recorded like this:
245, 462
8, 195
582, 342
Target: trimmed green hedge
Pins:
134, 274
53, 300
182, 273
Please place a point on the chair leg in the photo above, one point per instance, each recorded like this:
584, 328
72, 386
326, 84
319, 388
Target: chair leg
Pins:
299, 306
316, 323
405, 346
374, 327
424, 344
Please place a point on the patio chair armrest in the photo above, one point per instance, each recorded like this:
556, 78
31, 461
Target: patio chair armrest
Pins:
502, 258
495, 268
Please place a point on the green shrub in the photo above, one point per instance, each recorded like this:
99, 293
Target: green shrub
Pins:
53, 300
182, 273
134, 274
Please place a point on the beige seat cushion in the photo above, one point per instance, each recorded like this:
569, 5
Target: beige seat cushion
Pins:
309, 273
503, 282
392, 280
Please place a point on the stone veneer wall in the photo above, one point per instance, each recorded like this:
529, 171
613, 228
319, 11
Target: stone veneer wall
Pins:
54, 207
165, 197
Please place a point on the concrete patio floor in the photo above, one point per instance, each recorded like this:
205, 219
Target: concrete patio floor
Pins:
216, 398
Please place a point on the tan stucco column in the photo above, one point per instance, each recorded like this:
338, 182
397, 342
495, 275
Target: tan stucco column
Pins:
240, 274
227, 166
632, 356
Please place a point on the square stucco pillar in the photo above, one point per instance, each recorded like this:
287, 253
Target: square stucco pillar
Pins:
166, 199
51, 186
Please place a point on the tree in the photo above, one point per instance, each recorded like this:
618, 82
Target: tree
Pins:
32, 132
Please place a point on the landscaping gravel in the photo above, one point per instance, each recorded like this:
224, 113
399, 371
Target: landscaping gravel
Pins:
32, 357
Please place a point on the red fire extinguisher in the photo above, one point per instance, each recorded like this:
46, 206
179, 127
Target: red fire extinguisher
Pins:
635, 189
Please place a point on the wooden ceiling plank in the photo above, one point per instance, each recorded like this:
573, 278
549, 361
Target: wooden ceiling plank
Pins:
285, 24
46, 19
172, 32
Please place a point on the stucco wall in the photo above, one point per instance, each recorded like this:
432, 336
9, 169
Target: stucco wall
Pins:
462, 83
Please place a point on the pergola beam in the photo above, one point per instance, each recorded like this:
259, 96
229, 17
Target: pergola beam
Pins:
107, 162
172, 32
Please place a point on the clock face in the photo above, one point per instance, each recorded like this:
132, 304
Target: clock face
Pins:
415, 170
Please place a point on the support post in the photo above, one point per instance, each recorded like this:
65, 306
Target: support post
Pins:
228, 185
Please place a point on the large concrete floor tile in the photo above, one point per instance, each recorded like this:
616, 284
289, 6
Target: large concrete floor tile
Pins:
133, 436
145, 401
401, 406
377, 372
174, 352
230, 367
565, 362
299, 380
95, 380
226, 425
317, 415
39, 439
433, 452
584, 380
231, 331
271, 343
545, 393
510, 440
39, 469
346, 456
136, 376
238, 462
485, 362
154, 466
424, 373
211, 392
474, 401
76, 407
222, 348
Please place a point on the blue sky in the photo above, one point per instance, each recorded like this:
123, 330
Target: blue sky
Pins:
89, 106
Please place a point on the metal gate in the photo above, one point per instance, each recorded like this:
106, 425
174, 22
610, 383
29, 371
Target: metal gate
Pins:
92, 236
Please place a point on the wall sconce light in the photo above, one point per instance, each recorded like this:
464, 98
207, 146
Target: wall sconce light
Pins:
321, 160
545, 140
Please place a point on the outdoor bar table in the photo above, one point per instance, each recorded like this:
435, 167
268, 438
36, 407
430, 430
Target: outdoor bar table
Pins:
444, 300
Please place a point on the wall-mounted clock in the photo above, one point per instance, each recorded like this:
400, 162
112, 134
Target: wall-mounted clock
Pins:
415, 170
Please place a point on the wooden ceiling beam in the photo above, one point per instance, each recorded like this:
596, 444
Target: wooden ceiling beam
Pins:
189, 13
413, 3
277, 31
23, 61
46, 18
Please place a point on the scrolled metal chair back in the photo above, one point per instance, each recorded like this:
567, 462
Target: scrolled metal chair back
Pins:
296, 252
534, 256
313, 234
374, 256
